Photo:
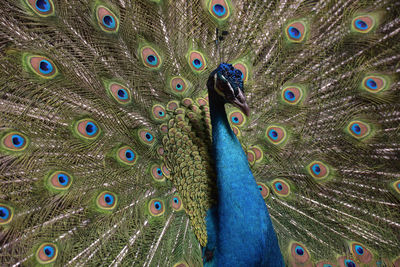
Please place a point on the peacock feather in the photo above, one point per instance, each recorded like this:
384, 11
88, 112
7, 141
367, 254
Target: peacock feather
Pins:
204, 132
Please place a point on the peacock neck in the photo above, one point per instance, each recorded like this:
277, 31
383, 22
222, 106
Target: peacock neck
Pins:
245, 235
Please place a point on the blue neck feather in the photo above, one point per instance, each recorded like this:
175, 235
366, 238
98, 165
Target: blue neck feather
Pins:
241, 227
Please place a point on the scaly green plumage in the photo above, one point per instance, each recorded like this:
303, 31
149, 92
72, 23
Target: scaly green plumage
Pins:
64, 63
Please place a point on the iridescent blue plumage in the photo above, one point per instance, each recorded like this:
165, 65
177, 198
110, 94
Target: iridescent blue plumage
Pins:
239, 229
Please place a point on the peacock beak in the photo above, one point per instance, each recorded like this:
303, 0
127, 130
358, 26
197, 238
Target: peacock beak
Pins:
240, 102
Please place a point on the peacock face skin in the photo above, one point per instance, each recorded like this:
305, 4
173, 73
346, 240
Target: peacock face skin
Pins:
228, 83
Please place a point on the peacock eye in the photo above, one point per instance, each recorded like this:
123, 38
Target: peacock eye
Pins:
157, 173
276, 135
363, 24
358, 129
14, 141
156, 207
106, 200
263, 190
196, 61
150, 57
178, 85
318, 170
280, 187
47, 253
296, 31
42, 66
159, 112
361, 253
219, 9
87, 128
107, 20
350, 263
375, 83
59, 181
146, 136
6, 214
126, 155
299, 253
237, 118
176, 203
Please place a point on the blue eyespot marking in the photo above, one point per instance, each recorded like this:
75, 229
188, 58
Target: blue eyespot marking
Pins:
235, 119
109, 21
149, 137
109, 199
62, 179
197, 63
49, 251
178, 86
43, 5
372, 84
17, 140
161, 113
349, 263
299, 251
355, 128
157, 205
176, 200
219, 10
122, 94
152, 60
294, 33
316, 169
278, 186
273, 134
289, 95
45, 66
327, 265
159, 172
260, 188
91, 128
4, 213
129, 155
359, 250
361, 25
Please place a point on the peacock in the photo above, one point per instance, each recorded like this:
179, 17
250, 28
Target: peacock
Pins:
200, 133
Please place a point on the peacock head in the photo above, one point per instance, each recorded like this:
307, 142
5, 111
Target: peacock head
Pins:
227, 82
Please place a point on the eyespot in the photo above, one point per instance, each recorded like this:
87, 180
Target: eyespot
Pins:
126, 155
358, 129
197, 62
156, 207
159, 112
59, 181
164, 128
146, 136
363, 24
106, 200
299, 253
43, 8
201, 102
264, 190
47, 253
178, 85
87, 128
237, 118
318, 170
296, 31
276, 134
219, 9
6, 214
176, 203
172, 105
258, 153
280, 187
292, 95
157, 173
150, 57
42, 66
361, 252
120, 93
187, 102
14, 141
243, 70
160, 151
374, 83
107, 20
